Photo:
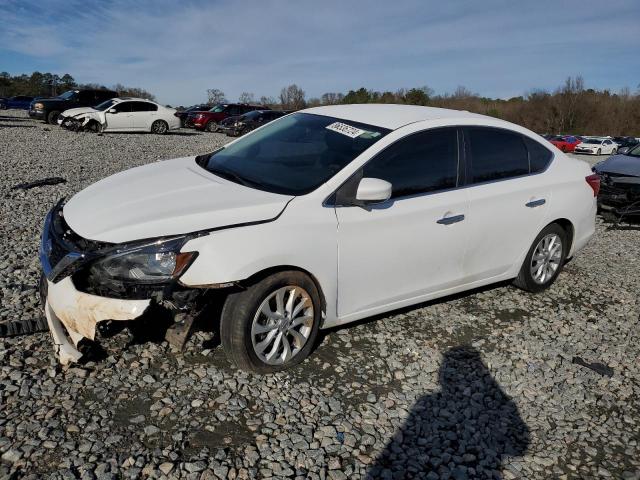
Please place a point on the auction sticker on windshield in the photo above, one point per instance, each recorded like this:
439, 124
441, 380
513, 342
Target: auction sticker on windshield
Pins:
345, 129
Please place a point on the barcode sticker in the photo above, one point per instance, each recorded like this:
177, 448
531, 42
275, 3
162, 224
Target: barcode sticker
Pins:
345, 129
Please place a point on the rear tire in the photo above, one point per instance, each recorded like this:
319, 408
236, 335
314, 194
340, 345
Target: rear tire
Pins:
544, 260
280, 338
211, 126
599, 152
614, 151
52, 117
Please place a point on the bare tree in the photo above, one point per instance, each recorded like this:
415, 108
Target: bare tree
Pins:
292, 97
215, 95
246, 97
267, 101
331, 98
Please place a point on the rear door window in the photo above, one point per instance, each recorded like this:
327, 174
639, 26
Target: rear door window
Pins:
420, 163
496, 154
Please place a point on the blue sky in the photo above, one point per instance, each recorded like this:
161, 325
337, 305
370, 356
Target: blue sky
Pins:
179, 49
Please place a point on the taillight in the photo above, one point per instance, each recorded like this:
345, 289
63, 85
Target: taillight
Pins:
594, 183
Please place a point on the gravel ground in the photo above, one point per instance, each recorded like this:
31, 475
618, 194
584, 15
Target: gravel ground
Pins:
480, 385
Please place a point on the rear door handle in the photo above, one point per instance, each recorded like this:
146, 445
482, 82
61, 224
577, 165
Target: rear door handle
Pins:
450, 220
536, 203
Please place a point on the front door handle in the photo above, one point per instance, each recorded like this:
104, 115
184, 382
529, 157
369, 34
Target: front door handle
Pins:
450, 220
536, 203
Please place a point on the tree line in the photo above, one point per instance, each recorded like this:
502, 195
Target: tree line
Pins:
571, 108
50, 85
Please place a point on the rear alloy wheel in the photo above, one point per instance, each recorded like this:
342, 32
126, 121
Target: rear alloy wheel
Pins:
159, 127
273, 324
544, 261
211, 126
52, 117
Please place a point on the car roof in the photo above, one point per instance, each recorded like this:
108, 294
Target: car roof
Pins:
128, 99
391, 116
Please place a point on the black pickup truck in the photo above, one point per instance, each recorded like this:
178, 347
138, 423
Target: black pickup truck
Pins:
48, 109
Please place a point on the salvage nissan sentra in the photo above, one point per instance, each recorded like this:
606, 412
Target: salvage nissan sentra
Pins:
317, 219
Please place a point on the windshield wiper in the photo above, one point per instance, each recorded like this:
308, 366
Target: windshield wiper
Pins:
234, 177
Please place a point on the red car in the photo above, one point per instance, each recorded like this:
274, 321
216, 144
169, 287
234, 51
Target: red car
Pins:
566, 143
209, 120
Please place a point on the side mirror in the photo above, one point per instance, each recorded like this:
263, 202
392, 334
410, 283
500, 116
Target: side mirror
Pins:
623, 150
373, 190
112, 110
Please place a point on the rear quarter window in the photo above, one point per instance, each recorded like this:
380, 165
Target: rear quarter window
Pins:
539, 156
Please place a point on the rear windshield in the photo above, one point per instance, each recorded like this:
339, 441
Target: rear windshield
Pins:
593, 141
293, 155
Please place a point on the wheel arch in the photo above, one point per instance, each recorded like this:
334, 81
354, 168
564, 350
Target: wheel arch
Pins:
568, 227
256, 277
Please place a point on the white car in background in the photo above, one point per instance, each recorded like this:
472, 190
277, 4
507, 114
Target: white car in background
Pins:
317, 219
122, 115
597, 146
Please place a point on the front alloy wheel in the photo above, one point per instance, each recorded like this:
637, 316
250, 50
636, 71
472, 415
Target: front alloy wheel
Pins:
282, 325
271, 324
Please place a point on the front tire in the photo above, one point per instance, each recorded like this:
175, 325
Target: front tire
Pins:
159, 127
273, 324
544, 261
614, 151
211, 127
52, 117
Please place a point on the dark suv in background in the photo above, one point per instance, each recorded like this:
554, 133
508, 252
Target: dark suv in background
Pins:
208, 120
48, 109
19, 101
238, 126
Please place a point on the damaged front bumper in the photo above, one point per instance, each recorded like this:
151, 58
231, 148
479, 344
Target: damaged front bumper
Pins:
619, 194
73, 315
75, 300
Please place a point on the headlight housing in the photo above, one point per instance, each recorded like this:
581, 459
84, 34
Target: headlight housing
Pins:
158, 262
38, 106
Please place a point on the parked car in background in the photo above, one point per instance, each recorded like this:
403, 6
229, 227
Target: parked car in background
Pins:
566, 143
122, 115
48, 109
183, 114
620, 182
250, 121
627, 142
20, 102
596, 146
209, 120
320, 218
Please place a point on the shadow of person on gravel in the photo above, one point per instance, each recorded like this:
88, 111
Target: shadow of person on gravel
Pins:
462, 432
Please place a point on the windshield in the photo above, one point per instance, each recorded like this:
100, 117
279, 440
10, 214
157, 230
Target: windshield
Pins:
104, 105
293, 155
593, 141
218, 108
634, 152
67, 95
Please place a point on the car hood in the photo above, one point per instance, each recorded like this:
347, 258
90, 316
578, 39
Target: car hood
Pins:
166, 198
620, 164
78, 111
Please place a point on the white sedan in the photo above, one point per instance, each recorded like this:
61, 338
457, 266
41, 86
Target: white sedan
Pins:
122, 115
320, 218
597, 146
